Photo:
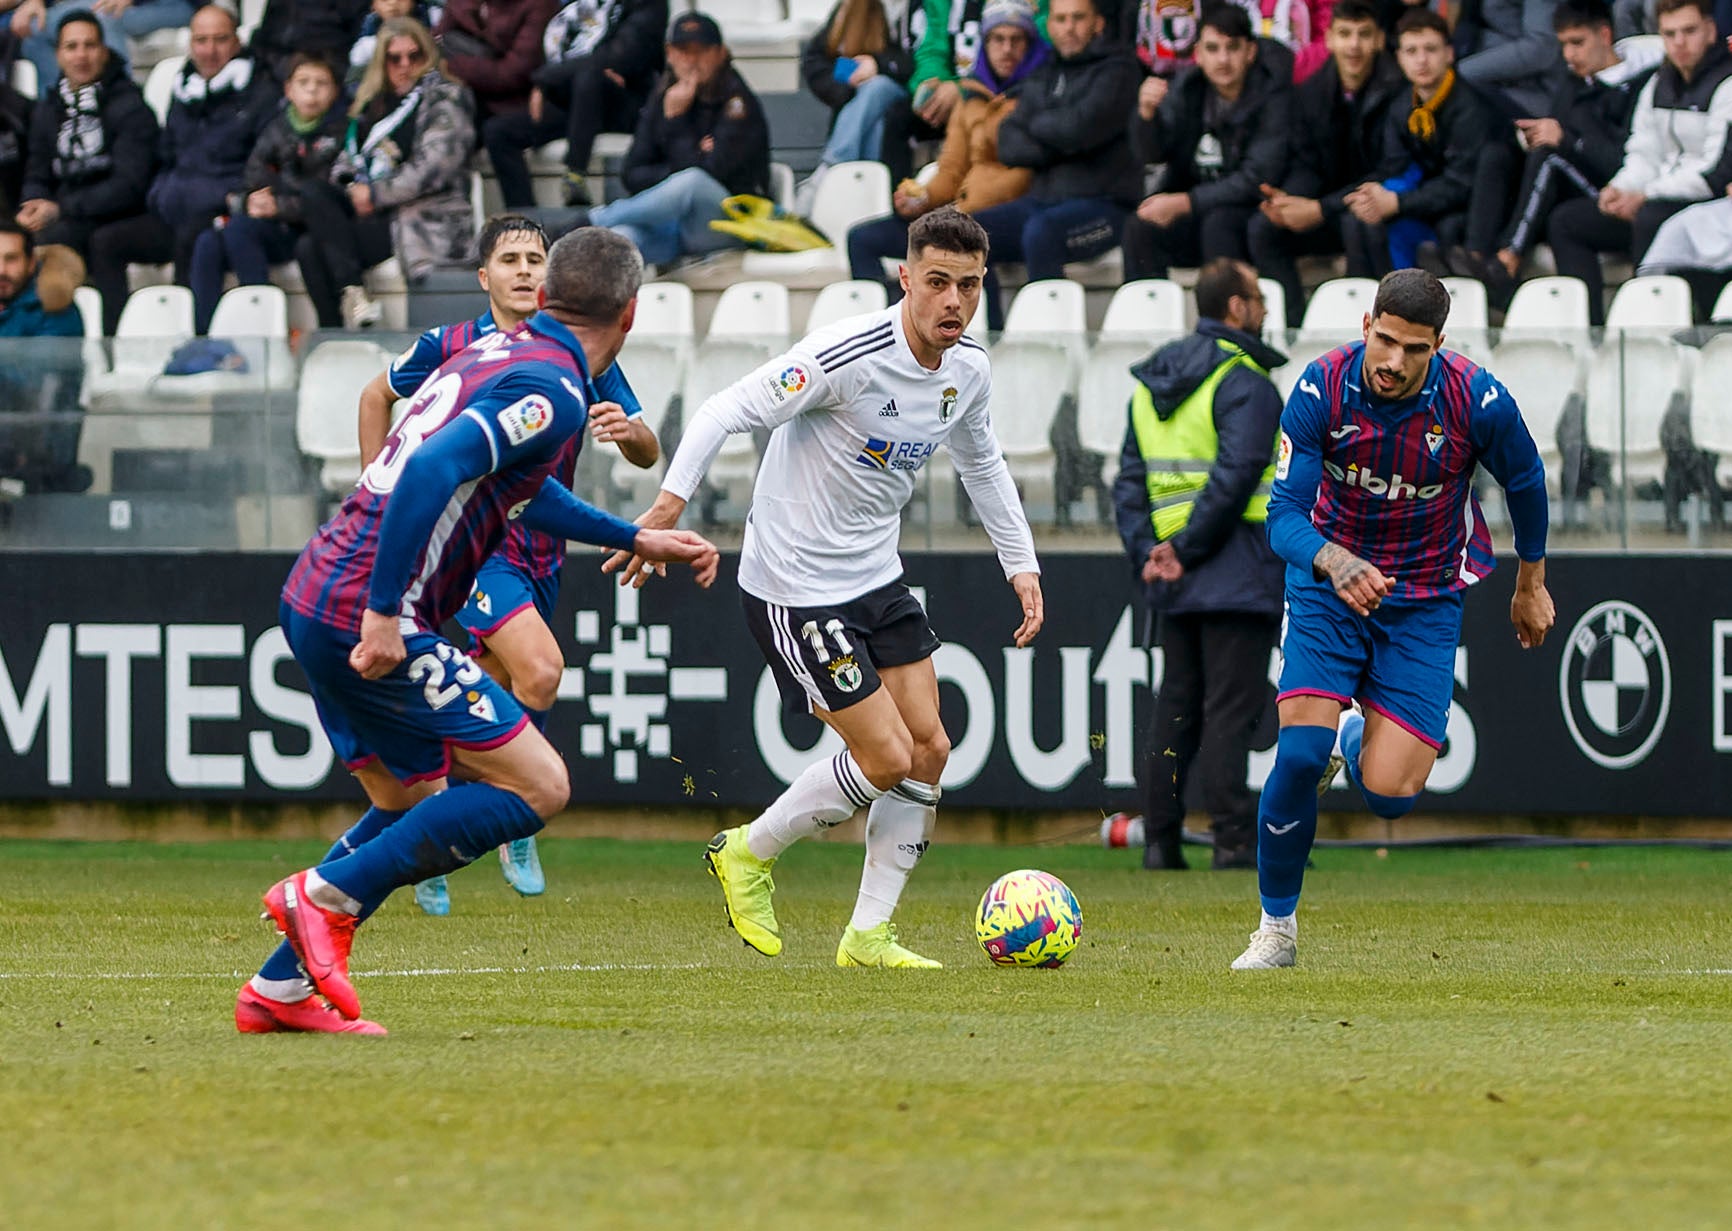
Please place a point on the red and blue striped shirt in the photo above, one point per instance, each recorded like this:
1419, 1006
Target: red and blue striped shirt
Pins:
1392, 482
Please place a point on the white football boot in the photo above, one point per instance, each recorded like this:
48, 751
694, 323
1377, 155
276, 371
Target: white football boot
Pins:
1268, 950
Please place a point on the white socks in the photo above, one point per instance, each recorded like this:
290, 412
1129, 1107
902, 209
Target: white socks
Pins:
1287, 925
284, 991
828, 793
325, 894
898, 830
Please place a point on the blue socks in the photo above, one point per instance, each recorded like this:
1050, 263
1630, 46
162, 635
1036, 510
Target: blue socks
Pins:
440, 834
1287, 815
1389, 807
283, 964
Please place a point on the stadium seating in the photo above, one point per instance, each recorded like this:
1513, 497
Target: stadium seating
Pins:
840, 300
123, 414
1660, 301
1550, 306
1543, 374
1035, 368
254, 320
1710, 415
846, 193
655, 357
331, 382
1633, 380
24, 77
1335, 315
1103, 398
1274, 311
1468, 328
751, 325
88, 301
1722, 312
1149, 308
159, 86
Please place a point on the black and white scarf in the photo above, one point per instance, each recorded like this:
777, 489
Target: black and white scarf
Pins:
81, 149
380, 152
233, 77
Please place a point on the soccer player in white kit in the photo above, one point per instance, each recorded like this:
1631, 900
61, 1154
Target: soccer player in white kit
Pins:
858, 409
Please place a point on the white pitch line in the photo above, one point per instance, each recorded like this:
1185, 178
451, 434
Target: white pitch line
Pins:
429, 972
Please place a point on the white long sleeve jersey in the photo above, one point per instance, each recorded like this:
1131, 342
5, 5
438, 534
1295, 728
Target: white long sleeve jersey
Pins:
856, 418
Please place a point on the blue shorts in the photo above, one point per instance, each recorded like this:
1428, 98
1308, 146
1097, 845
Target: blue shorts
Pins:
409, 720
502, 591
1399, 662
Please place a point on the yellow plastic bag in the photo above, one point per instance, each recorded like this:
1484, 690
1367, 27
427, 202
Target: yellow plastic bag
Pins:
764, 226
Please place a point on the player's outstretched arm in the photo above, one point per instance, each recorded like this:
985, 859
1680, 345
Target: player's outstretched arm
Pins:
1027, 587
1507, 450
1531, 609
556, 511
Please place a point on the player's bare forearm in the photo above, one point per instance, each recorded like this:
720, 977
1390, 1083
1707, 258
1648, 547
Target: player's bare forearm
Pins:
639, 445
374, 417
1358, 583
1531, 609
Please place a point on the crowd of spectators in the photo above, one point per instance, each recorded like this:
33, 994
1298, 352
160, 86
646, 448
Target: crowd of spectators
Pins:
342, 133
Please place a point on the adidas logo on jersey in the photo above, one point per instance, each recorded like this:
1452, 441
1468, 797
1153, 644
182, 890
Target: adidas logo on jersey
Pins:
896, 454
1396, 488
888, 410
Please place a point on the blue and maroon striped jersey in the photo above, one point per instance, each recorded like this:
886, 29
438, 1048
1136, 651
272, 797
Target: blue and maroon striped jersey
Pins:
1392, 482
529, 394
529, 551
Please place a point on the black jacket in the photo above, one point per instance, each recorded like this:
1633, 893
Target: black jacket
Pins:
325, 28
1336, 143
1250, 138
630, 46
286, 162
1466, 123
725, 110
95, 186
1069, 127
209, 132
1595, 118
14, 144
816, 64
1229, 565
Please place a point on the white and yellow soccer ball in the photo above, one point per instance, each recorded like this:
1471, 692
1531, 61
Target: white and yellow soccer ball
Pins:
1028, 918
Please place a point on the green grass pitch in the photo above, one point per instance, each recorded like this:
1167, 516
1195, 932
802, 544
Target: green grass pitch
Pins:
1473, 1039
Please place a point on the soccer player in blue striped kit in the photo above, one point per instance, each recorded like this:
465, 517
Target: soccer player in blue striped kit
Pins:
1374, 512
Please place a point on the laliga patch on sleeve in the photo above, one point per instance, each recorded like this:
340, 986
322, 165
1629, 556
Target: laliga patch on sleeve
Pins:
789, 382
525, 418
1284, 458
405, 357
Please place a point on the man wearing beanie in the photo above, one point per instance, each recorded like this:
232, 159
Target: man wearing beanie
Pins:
1069, 130
969, 176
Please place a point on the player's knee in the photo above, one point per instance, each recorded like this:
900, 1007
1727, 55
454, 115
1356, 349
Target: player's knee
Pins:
888, 761
1304, 750
546, 788
536, 686
1388, 807
929, 756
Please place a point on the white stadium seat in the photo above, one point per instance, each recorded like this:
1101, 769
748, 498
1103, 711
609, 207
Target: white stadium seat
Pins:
1659, 301
331, 382
1710, 412
1540, 374
664, 310
840, 300
1104, 398
1631, 381
159, 86
1553, 307
1335, 315
1150, 307
1042, 309
1274, 311
845, 194
24, 77
750, 326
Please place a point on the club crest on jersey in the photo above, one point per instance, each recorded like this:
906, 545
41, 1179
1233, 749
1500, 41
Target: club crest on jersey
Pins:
789, 382
895, 454
845, 673
1434, 438
526, 417
947, 404
481, 706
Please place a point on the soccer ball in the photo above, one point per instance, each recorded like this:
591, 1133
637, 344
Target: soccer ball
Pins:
1028, 918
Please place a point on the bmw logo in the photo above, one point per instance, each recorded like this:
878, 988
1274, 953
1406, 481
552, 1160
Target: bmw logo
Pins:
1615, 684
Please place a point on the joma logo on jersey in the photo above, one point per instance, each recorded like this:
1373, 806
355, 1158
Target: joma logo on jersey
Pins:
896, 454
1396, 488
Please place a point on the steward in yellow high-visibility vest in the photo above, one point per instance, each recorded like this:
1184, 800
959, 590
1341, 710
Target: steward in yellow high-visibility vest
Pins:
1192, 495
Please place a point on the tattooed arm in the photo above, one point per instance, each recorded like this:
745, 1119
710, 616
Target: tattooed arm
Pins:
1357, 583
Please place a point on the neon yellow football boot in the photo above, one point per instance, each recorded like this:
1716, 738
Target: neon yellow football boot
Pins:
746, 889
878, 947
